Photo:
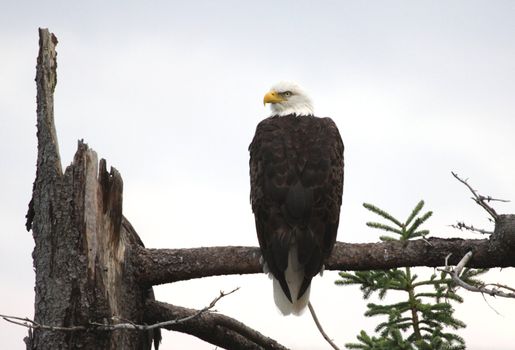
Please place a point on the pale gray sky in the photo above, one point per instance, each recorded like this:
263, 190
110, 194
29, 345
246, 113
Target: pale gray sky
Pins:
170, 93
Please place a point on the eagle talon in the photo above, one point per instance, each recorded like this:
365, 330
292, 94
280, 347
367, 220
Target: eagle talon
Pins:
263, 263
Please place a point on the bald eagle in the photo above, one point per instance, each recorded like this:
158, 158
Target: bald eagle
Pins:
296, 179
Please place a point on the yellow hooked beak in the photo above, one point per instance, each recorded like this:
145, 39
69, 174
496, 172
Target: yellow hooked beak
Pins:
272, 97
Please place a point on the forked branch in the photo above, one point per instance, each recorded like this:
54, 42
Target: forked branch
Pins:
214, 328
497, 290
480, 199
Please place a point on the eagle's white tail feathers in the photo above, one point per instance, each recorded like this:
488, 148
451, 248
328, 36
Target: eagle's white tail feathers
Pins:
294, 275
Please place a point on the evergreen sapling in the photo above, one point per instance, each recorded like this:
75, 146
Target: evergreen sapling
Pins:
424, 318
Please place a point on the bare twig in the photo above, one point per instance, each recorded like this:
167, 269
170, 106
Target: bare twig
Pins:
217, 329
460, 225
319, 326
426, 240
455, 273
491, 199
462, 263
500, 286
26, 322
479, 199
490, 306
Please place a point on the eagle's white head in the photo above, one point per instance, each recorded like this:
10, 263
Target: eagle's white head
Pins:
288, 98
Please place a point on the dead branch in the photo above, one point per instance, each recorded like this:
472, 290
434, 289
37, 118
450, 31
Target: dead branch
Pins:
131, 325
211, 327
497, 285
320, 328
460, 225
480, 199
28, 323
455, 275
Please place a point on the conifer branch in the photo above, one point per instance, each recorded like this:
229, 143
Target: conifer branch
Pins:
382, 213
419, 321
414, 213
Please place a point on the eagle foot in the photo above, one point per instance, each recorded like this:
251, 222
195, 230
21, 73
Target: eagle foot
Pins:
263, 263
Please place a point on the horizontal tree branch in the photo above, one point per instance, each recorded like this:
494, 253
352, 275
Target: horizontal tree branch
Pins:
158, 266
184, 264
217, 329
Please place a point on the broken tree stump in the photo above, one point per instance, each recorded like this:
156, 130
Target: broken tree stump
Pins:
82, 240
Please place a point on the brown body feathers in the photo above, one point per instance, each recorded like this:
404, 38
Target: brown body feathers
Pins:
296, 172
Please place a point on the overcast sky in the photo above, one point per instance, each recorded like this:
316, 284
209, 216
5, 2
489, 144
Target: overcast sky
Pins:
170, 93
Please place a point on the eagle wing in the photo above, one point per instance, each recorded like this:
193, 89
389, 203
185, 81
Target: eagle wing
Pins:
296, 172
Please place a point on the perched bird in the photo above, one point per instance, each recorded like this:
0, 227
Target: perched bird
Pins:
296, 180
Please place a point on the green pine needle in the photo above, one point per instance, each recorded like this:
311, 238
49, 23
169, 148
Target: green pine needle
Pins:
383, 227
419, 221
429, 298
415, 212
382, 213
387, 239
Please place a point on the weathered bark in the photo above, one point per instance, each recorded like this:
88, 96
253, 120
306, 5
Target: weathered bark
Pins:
81, 246
184, 264
503, 238
157, 266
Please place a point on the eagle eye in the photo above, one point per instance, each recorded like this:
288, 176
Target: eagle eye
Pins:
287, 93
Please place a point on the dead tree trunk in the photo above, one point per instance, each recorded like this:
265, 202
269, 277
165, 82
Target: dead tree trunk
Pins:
81, 245
92, 269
